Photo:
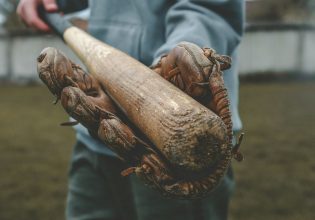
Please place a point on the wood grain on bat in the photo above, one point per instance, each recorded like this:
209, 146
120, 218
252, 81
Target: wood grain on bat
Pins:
172, 120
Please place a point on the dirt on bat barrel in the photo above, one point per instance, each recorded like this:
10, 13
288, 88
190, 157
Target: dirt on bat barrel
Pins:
196, 152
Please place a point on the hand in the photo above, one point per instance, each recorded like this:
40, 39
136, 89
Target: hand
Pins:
197, 72
85, 100
27, 11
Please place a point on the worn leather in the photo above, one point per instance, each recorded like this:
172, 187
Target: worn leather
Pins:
194, 70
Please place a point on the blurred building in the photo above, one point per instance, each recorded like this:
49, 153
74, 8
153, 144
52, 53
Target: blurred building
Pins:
278, 40
6, 7
285, 11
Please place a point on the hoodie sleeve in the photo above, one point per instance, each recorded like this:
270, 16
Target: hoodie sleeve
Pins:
217, 24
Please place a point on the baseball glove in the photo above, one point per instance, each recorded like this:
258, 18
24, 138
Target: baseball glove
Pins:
194, 70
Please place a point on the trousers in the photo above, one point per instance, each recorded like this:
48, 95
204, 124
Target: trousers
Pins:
97, 191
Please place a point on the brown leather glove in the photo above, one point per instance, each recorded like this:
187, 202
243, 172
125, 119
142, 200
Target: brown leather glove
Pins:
84, 100
197, 72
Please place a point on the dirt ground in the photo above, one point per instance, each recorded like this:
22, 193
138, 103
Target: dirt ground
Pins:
276, 180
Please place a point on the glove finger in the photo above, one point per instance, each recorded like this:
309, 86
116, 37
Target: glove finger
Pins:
193, 68
81, 107
187, 67
52, 67
99, 121
58, 72
119, 137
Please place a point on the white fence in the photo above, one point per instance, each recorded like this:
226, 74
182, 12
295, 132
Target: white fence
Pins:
265, 48
278, 49
18, 55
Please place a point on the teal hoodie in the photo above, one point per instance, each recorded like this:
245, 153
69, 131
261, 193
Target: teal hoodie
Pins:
147, 29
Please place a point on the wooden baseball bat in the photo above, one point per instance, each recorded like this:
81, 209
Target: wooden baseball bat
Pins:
180, 127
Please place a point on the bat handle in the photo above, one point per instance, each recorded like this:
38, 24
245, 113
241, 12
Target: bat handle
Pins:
57, 22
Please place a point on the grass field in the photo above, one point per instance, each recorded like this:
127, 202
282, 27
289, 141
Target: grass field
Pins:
276, 181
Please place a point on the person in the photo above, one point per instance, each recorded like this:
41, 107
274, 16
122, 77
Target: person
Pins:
146, 30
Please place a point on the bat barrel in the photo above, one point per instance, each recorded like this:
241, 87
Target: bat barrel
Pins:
187, 133
180, 127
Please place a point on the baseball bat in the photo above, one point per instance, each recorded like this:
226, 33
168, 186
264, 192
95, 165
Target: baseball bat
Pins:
180, 127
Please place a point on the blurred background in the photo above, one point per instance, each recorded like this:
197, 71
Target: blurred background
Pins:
277, 102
